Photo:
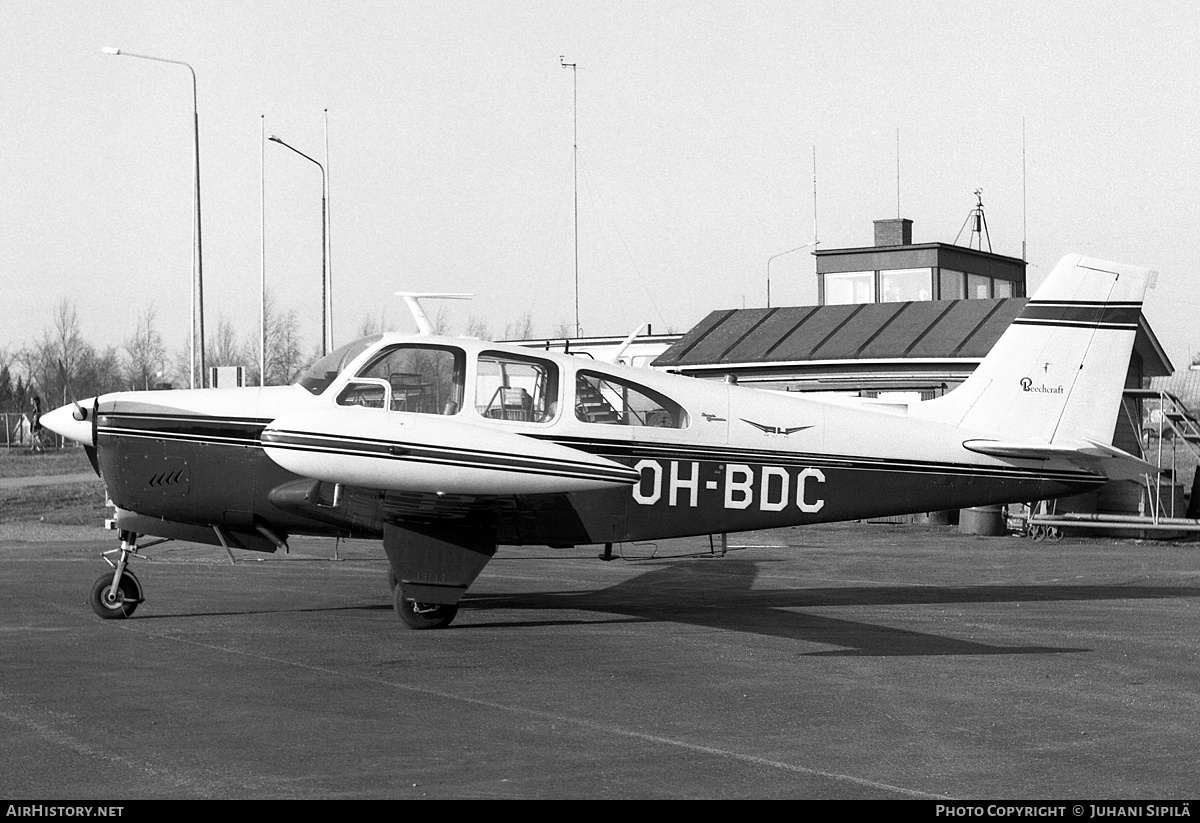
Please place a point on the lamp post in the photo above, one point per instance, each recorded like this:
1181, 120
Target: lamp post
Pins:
198, 253
575, 143
781, 254
324, 258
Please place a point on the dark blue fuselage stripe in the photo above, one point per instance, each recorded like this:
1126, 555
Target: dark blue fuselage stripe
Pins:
616, 450
367, 446
462, 458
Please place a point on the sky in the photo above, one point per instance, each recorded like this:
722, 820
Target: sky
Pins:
450, 153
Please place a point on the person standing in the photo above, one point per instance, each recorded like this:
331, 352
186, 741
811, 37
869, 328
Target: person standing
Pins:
35, 425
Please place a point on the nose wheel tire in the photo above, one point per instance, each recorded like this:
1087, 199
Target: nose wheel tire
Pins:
422, 615
119, 605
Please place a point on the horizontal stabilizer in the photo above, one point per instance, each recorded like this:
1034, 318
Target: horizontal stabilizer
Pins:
1094, 456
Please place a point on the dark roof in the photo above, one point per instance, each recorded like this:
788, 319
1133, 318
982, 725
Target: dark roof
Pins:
943, 329
871, 331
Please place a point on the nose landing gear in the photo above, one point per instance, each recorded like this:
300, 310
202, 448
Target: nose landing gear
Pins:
115, 596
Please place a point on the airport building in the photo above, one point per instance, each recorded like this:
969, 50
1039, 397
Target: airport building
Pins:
896, 270
897, 320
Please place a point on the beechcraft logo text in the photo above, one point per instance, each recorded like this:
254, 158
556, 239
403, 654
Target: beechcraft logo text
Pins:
1027, 385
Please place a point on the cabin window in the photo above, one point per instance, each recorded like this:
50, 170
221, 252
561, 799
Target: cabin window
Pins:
515, 388
600, 398
418, 379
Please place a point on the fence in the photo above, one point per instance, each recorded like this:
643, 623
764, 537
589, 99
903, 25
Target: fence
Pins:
16, 433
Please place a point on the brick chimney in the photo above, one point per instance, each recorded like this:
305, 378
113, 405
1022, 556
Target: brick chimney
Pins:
894, 232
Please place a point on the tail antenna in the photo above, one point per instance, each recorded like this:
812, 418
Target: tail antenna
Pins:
413, 299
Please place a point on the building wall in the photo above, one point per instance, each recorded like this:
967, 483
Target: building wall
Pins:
934, 257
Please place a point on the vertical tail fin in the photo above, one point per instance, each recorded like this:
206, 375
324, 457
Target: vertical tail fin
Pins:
1057, 374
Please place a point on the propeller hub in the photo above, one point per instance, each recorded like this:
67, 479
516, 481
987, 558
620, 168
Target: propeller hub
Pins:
71, 421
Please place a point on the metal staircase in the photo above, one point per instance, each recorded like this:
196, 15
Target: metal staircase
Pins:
1180, 420
591, 406
1174, 426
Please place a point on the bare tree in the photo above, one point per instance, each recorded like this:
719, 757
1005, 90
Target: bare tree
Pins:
97, 373
8, 399
440, 321
146, 354
67, 338
370, 325
179, 369
521, 329
53, 364
285, 347
225, 349
7, 387
477, 327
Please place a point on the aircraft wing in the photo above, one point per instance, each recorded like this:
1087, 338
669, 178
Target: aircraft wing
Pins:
370, 448
1091, 455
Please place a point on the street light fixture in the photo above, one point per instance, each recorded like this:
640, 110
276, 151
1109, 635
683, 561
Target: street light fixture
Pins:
324, 258
781, 254
197, 252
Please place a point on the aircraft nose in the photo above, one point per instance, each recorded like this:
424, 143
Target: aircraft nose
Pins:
64, 421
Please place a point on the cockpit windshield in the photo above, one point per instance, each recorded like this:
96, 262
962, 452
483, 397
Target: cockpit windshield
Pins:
317, 377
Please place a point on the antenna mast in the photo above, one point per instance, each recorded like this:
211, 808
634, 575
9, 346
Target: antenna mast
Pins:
897, 172
1024, 223
815, 235
978, 223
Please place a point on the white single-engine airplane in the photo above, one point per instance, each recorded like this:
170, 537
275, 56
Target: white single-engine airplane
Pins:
446, 448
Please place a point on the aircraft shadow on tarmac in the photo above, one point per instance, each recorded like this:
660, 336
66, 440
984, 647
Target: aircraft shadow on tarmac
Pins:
720, 596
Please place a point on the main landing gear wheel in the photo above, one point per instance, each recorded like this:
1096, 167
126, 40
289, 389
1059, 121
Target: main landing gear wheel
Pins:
422, 615
117, 605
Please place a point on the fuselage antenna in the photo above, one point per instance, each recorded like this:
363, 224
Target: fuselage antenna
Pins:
413, 299
615, 356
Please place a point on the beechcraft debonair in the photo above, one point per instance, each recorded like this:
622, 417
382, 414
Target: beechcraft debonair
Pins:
445, 448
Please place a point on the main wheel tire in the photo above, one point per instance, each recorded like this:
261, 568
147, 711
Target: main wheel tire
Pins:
422, 615
108, 607
392, 581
